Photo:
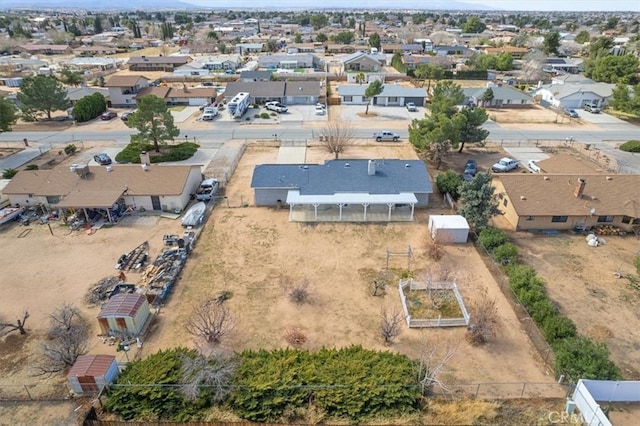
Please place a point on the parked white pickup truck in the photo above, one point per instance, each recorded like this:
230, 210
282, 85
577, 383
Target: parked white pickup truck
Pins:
505, 164
207, 190
386, 136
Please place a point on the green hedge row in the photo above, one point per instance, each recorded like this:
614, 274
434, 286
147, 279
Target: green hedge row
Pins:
131, 153
268, 386
89, 107
577, 357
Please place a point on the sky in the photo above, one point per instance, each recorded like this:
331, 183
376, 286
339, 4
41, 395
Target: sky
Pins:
537, 5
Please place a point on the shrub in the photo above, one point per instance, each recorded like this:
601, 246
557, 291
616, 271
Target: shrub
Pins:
264, 115
89, 107
541, 310
582, 358
557, 327
70, 149
637, 263
9, 173
505, 253
32, 167
630, 146
449, 181
270, 384
295, 336
490, 238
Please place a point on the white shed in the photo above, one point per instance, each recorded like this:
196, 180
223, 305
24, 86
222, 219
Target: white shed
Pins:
449, 228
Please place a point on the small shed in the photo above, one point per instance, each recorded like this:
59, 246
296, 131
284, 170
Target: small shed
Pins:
449, 228
91, 373
124, 313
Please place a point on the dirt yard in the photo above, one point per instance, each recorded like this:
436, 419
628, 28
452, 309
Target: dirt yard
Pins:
540, 117
582, 280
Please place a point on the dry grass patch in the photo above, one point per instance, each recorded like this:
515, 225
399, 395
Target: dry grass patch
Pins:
463, 412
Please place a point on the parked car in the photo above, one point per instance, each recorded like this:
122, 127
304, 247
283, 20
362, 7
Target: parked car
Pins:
505, 164
276, 106
411, 106
592, 108
386, 135
533, 166
108, 115
209, 113
102, 159
125, 115
471, 168
320, 110
571, 113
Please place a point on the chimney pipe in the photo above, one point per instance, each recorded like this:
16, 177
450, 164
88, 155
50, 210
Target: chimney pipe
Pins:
371, 168
579, 188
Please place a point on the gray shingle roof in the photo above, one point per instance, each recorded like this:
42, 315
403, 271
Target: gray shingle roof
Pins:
499, 92
391, 177
388, 90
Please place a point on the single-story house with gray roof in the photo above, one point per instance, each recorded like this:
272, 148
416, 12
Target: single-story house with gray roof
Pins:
344, 190
392, 95
504, 96
302, 60
575, 95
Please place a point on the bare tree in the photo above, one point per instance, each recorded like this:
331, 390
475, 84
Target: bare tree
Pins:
298, 292
483, 324
390, 325
215, 373
66, 340
18, 325
336, 137
210, 321
434, 357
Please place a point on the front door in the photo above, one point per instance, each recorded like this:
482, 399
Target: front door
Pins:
155, 201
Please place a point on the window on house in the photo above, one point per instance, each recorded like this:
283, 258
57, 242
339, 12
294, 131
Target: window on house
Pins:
626, 220
559, 219
508, 101
55, 199
393, 99
504, 202
529, 217
348, 98
524, 101
605, 219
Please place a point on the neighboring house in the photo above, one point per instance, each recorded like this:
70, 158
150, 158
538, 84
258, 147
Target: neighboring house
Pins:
402, 48
504, 96
158, 91
91, 373
260, 91
564, 202
94, 50
124, 88
571, 79
247, 76
392, 95
302, 92
192, 96
157, 63
575, 95
412, 61
91, 63
425, 43
455, 50
246, 48
74, 94
305, 48
285, 61
215, 63
342, 48
361, 61
191, 69
125, 314
43, 49
558, 65
514, 51
107, 191
345, 190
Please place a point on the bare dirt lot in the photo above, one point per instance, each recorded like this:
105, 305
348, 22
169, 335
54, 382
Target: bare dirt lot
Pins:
582, 280
247, 250
538, 116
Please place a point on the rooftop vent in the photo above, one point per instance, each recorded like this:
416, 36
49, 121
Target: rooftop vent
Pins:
347, 165
407, 165
547, 178
522, 197
609, 178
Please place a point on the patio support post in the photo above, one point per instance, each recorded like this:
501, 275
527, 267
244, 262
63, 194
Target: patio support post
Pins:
389, 217
315, 211
413, 206
291, 212
365, 210
340, 217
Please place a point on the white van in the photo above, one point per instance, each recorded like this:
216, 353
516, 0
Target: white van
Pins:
209, 113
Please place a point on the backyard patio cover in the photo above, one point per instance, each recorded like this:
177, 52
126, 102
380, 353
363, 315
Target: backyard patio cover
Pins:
90, 199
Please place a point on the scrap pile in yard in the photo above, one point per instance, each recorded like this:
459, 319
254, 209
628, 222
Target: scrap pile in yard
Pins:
102, 290
135, 259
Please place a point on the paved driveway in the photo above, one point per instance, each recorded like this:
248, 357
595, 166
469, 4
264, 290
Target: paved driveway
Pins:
601, 118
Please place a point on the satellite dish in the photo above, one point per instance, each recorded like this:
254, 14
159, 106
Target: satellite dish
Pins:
592, 211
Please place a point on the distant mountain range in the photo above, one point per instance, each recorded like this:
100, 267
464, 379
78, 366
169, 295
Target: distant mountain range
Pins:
150, 5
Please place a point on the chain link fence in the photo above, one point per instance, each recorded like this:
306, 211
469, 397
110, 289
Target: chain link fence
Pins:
34, 392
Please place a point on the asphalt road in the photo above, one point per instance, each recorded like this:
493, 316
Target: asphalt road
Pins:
605, 139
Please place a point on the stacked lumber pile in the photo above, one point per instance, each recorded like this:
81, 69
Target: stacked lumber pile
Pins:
607, 230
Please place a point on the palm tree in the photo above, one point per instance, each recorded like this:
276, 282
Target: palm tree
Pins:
360, 78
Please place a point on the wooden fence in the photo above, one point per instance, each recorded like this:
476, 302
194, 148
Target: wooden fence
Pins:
434, 322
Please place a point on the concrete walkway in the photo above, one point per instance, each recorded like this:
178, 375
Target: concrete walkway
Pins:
20, 158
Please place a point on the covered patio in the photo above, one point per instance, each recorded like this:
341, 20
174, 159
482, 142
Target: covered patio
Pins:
103, 201
351, 207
